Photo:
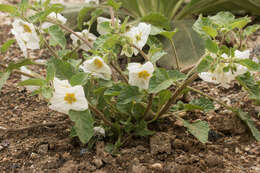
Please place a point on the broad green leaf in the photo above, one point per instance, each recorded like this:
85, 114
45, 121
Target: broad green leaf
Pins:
240, 22
82, 16
211, 45
64, 70
205, 64
249, 84
50, 72
202, 103
3, 78
199, 129
251, 65
142, 130
46, 92
114, 90
156, 30
249, 122
201, 23
156, 54
164, 96
6, 46
210, 31
163, 79
33, 82
57, 36
129, 94
251, 29
24, 62
223, 18
84, 124
114, 4
79, 79
157, 19
8, 8
169, 34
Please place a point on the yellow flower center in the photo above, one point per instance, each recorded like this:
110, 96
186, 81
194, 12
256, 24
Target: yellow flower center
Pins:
70, 98
27, 28
138, 36
98, 63
143, 74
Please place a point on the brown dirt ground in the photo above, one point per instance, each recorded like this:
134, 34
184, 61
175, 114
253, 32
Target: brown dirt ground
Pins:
171, 150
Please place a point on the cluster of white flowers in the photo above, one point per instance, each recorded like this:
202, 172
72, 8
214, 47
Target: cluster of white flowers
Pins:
218, 76
85, 34
56, 17
25, 35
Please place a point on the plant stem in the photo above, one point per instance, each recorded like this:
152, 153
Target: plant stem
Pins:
141, 52
71, 31
125, 79
112, 15
210, 97
20, 72
100, 115
176, 56
177, 92
148, 107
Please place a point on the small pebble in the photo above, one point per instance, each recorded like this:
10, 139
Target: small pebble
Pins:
157, 166
98, 163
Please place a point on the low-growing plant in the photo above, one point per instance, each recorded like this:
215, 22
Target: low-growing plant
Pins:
104, 97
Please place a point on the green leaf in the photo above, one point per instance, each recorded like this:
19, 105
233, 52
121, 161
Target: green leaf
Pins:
223, 18
249, 122
8, 8
157, 19
114, 90
64, 70
6, 46
240, 22
129, 94
3, 78
79, 79
162, 79
202, 104
251, 65
84, 124
57, 36
33, 82
210, 31
156, 54
24, 62
251, 29
199, 129
249, 84
169, 34
46, 92
114, 4
205, 64
164, 96
211, 45
142, 130
50, 72
83, 15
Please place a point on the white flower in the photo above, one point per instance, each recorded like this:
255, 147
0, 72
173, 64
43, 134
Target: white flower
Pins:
100, 20
92, 1
25, 35
54, 16
224, 78
85, 34
99, 130
97, 67
139, 35
67, 97
139, 75
23, 78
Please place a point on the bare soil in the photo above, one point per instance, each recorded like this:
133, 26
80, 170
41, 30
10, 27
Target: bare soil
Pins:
49, 149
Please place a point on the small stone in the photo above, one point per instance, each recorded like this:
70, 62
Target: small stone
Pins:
34, 155
160, 143
247, 148
98, 163
157, 166
214, 161
43, 149
1, 147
